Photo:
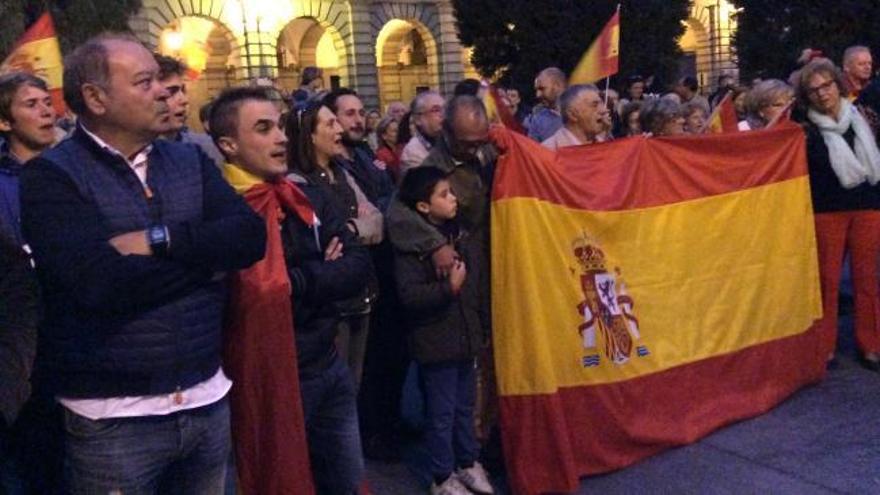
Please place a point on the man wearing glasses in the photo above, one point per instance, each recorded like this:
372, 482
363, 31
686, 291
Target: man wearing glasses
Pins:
427, 116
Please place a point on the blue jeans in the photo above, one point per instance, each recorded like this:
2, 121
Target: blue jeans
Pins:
185, 452
450, 392
330, 408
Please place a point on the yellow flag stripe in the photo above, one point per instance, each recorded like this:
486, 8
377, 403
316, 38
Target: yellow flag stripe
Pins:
708, 277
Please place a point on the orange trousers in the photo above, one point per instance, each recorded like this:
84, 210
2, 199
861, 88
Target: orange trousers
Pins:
857, 233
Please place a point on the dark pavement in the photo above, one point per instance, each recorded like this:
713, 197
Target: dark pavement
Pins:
825, 439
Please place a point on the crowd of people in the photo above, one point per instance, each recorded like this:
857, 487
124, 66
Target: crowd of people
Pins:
170, 297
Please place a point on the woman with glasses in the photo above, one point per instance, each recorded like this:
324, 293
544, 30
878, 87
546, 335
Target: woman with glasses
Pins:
844, 167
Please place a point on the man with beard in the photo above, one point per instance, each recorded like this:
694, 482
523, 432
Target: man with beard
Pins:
131, 236
172, 74
546, 120
426, 113
357, 156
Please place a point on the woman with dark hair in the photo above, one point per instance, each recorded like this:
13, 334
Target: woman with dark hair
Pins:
844, 166
388, 150
315, 141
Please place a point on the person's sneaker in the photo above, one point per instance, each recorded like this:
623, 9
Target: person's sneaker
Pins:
476, 479
452, 486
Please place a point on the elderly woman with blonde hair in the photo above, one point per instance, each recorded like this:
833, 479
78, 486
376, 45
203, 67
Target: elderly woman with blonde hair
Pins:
765, 103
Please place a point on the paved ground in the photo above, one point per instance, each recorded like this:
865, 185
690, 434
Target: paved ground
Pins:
823, 440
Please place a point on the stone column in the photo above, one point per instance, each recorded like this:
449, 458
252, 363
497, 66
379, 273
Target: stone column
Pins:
449, 48
361, 47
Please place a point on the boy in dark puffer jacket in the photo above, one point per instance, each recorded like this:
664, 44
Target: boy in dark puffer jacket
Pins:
448, 319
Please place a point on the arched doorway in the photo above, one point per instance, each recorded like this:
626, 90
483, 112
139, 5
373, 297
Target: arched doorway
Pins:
306, 42
210, 50
406, 60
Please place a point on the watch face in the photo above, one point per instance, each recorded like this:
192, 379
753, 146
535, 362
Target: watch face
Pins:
157, 235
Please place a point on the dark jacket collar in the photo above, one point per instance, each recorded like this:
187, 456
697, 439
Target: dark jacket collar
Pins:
81, 137
9, 164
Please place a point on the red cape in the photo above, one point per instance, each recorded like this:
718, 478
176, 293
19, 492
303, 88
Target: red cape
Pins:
268, 427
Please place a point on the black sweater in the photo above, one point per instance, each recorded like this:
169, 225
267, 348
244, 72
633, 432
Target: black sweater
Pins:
319, 285
828, 194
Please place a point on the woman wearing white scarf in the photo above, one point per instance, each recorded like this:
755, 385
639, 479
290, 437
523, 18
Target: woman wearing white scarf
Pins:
844, 164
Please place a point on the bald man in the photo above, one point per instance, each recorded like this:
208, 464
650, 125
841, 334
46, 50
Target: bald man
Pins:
547, 119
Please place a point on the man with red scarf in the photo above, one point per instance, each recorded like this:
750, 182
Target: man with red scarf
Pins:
286, 402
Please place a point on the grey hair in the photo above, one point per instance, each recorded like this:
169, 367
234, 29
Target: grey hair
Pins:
570, 96
852, 51
89, 64
657, 112
764, 94
418, 102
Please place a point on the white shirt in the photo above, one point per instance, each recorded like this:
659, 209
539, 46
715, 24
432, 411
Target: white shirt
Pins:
562, 138
414, 153
200, 394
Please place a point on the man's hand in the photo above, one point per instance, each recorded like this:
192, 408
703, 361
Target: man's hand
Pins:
334, 250
132, 243
444, 259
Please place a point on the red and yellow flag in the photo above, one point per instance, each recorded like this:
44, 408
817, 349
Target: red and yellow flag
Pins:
723, 118
37, 52
498, 109
646, 292
601, 59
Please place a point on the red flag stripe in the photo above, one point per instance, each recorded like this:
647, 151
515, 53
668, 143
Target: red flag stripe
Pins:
675, 417
591, 187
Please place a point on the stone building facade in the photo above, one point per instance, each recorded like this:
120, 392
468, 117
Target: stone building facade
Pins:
706, 43
385, 49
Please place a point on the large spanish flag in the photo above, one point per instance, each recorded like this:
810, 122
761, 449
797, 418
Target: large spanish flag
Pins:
601, 59
37, 52
645, 292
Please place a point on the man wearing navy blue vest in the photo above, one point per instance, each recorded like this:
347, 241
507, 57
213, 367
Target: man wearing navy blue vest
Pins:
131, 235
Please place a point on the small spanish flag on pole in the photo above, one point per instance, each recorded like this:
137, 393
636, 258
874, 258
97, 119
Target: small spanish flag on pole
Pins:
601, 59
723, 118
38, 52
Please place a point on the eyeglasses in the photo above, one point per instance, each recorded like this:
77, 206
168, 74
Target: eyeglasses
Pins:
821, 88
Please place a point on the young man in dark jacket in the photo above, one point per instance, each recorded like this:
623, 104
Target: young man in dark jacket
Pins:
321, 264
448, 323
131, 235
27, 127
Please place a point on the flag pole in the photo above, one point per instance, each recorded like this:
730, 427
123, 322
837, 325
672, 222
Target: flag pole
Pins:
607, 82
608, 78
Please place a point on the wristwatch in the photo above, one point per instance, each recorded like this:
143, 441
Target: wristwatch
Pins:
158, 239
